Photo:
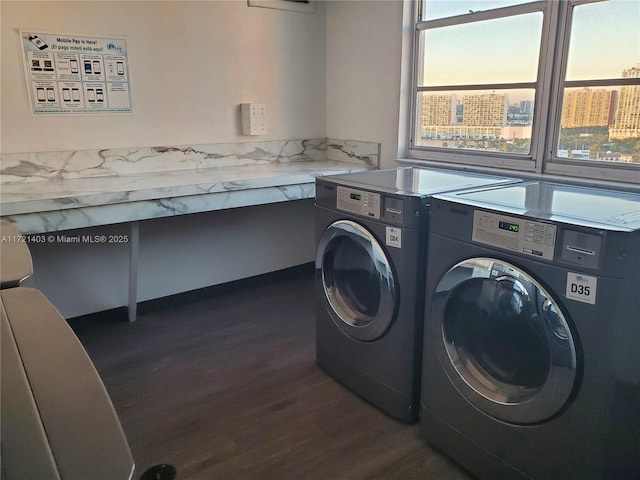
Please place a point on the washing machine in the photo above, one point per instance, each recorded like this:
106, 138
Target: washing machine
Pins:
371, 233
531, 364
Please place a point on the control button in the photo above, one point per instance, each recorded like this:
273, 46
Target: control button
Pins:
550, 236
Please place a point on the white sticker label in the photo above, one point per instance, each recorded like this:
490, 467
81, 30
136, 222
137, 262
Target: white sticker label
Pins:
394, 237
581, 288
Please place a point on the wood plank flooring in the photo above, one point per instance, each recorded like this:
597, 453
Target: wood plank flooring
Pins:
226, 387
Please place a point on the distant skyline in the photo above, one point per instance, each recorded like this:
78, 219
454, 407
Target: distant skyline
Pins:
516, 95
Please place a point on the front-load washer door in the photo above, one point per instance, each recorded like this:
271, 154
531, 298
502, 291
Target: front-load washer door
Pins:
506, 344
357, 279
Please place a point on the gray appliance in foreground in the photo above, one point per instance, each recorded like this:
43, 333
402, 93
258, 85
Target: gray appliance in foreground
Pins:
57, 419
371, 230
532, 332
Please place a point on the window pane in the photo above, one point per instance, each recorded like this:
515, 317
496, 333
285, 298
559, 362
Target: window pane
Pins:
605, 40
503, 50
601, 123
498, 121
433, 9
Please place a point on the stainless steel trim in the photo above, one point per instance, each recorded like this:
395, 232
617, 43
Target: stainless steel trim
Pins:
345, 314
580, 250
512, 403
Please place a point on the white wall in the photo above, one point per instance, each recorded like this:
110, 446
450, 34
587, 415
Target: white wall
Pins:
192, 64
364, 45
225, 246
81, 278
334, 73
177, 254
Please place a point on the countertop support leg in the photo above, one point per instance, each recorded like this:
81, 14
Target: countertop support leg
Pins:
134, 242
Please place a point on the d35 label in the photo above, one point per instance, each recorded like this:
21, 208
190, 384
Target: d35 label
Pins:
581, 288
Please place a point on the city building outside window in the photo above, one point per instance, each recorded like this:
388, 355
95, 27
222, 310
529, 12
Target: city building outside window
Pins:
545, 87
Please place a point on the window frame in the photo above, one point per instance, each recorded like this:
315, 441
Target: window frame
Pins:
576, 167
549, 92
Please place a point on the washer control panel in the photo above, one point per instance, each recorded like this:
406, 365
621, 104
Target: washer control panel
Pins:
359, 202
516, 234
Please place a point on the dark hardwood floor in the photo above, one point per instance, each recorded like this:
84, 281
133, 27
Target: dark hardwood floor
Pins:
226, 387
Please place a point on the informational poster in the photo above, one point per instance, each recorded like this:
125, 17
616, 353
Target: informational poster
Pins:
76, 74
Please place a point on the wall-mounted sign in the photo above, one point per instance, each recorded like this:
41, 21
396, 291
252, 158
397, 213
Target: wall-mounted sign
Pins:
76, 74
293, 5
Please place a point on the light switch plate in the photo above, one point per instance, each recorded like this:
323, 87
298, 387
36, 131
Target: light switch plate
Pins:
253, 118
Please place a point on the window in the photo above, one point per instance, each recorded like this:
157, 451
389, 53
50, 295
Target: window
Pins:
546, 86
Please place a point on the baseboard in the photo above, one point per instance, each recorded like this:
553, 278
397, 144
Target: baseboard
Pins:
120, 313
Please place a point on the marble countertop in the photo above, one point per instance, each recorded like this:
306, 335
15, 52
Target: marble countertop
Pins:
59, 204
54, 191
62, 194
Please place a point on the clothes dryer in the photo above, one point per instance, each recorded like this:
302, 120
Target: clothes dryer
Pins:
371, 233
531, 363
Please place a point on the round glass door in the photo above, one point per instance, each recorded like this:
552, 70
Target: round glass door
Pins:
507, 345
357, 279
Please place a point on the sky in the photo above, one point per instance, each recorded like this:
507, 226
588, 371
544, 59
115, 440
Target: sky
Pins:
605, 40
606, 35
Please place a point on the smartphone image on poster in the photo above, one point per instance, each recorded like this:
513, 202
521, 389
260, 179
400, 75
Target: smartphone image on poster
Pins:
48, 66
74, 66
96, 67
91, 94
35, 65
38, 42
75, 94
41, 96
87, 66
99, 95
51, 96
120, 68
66, 94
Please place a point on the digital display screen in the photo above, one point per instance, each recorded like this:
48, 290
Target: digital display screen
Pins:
511, 227
355, 196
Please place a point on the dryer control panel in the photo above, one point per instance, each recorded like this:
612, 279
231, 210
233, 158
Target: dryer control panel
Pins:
359, 202
520, 235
